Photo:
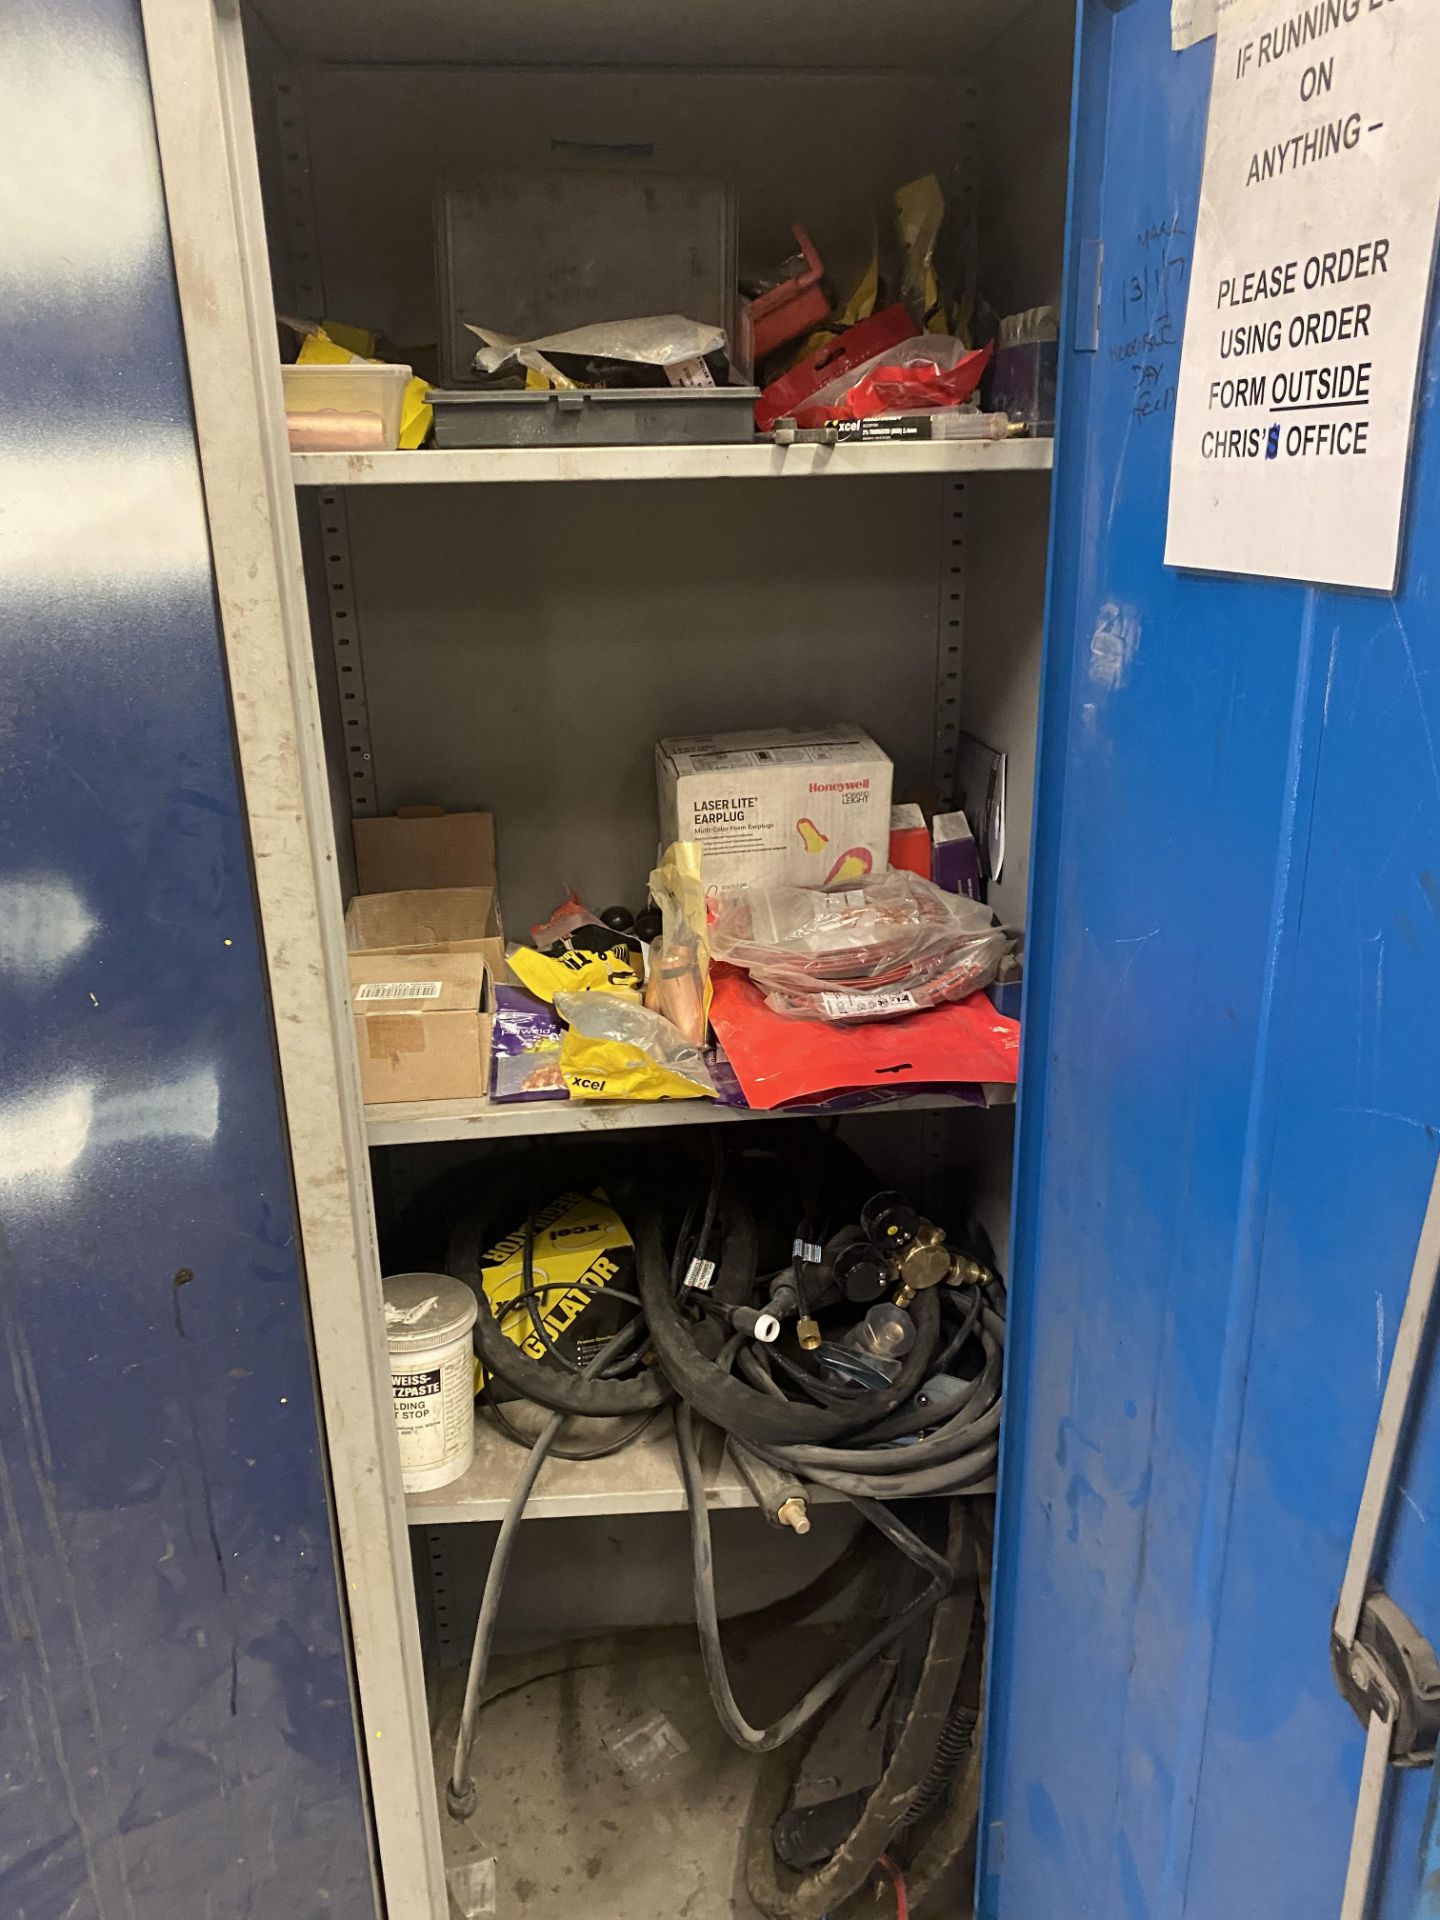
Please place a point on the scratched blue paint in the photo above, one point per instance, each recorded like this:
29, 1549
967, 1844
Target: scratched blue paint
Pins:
1229, 1120
177, 1740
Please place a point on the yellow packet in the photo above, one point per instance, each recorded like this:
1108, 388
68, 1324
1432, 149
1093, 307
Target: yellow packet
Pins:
614, 1070
574, 971
615, 1049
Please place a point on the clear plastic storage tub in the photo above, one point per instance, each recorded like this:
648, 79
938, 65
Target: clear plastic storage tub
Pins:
346, 409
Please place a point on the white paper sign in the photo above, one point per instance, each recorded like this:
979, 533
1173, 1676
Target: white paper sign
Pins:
1191, 21
1309, 291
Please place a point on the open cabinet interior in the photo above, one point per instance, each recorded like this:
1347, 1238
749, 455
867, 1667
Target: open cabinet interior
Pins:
520, 648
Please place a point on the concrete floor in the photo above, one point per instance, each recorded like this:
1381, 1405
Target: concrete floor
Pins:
575, 1832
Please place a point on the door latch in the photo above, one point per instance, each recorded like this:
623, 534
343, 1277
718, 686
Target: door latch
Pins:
1391, 1669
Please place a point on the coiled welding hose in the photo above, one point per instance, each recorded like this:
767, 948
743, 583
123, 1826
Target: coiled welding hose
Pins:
872, 1447
926, 1800
792, 1436
863, 1446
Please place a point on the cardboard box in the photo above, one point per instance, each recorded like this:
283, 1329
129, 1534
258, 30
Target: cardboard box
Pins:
424, 847
909, 840
955, 856
808, 807
422, 1025
428, 919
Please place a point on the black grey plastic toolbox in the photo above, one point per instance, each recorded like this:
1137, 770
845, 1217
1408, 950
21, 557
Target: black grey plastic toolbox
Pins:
536, 253
599, 417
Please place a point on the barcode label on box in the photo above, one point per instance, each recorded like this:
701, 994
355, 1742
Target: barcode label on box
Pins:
844, 1006
400, 990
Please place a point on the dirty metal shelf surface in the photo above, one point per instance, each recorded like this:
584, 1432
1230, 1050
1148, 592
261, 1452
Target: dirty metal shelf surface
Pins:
418, 1122
644, 1478
760, 461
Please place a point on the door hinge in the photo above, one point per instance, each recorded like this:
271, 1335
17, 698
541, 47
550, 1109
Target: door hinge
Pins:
1383, 1664
1390, 1668
1089, 283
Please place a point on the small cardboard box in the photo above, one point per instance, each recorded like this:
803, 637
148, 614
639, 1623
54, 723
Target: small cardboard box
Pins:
422, 1025
956, 856
909, 840
428, 919
807, 807
424, 847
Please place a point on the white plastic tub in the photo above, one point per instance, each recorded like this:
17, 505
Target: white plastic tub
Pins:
344, 409
428, 1317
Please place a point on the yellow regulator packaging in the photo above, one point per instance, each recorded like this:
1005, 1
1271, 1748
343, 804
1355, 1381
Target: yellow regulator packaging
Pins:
580, 1247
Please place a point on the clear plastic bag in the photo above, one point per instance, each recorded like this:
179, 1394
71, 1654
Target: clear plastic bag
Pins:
887, 946
615, 1049
655, 340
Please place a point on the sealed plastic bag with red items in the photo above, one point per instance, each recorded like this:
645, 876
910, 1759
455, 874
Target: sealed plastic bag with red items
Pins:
924, 375
886, 946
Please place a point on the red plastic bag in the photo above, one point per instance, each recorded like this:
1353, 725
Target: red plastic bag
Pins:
853, 348
779, 1061
924, 375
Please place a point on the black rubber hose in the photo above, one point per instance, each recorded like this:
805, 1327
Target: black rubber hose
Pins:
766, 1739
785, 1895
973, 1476
969, 1320
955, 1742
740, 1409
956, 1435
460, 1788
538, 1380
641, 1425
958, 1457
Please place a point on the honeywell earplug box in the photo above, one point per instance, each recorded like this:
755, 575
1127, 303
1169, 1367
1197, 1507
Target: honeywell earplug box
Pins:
808, 806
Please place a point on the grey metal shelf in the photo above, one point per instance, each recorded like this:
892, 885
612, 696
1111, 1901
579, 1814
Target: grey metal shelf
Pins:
644, 1478
761, 461
418, 1122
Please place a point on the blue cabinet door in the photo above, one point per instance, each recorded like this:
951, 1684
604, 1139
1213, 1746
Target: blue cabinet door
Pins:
177, 1737
1229, 1126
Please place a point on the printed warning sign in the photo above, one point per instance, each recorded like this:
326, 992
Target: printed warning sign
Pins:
1309, 291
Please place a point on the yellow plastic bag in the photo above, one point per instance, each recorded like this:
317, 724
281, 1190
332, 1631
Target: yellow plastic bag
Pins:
919, 212
576, 971
615, 1049
861, 303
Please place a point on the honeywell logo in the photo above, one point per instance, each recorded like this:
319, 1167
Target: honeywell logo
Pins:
839, 786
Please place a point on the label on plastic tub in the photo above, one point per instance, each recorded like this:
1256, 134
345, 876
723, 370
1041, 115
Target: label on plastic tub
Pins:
433, 1411
847, 1006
